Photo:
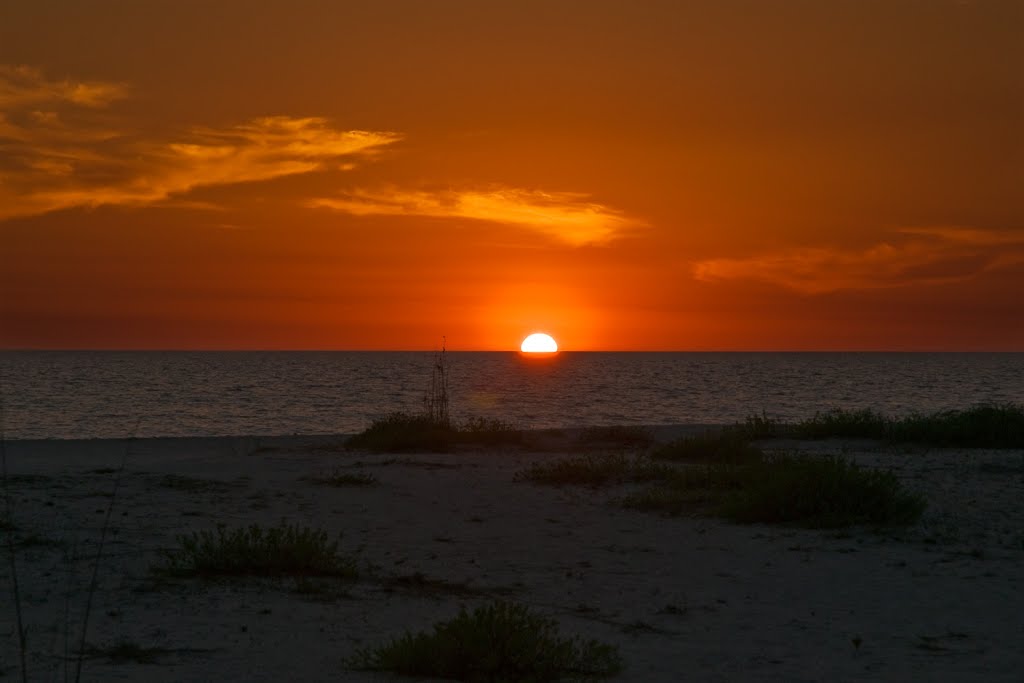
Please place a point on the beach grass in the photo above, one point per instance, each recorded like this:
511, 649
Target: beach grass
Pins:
125, 651
284, 550
787, 489
839, 423
501, 641
594, 470
819, 492
986, 425
615, 436
340, 478
711, 447
403, 432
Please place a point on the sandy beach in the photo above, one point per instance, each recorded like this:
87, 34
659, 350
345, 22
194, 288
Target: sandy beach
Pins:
684, 598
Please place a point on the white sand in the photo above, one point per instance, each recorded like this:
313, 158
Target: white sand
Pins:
691, 599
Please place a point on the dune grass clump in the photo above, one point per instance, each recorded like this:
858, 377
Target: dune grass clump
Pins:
616, 436
789, 489
989, 425
400, 432
594, 470
125, 652
403, 432
488, 431
839, 423
284, 550
340, 478
820, 493
710, 447
501, 641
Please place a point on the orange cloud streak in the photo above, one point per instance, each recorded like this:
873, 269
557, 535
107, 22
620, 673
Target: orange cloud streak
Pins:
932, 256
565, 216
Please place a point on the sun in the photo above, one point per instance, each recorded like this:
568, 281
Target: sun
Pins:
539, 342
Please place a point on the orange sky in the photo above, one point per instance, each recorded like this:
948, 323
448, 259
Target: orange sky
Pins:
709, 175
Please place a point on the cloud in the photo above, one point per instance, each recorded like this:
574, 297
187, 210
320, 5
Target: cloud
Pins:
565, 216
925, 256
60, 157
22, 86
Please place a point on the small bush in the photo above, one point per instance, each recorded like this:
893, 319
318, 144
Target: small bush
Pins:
987, 425
866, 424
616, 436
819, 492
124, 652
488, 431
285, 550
404, 432
784, 489
501, 641
340, 478
717, 447
594, 470
759, 427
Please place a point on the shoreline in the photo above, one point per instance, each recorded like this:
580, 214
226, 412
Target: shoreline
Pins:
681, 597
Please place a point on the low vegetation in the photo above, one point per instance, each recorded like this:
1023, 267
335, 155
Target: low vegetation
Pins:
284, 550
594, 470
722, 474
986, 425
124, 652
792, 489
501, 641
401, 432
725, 446
341, 478
616, 436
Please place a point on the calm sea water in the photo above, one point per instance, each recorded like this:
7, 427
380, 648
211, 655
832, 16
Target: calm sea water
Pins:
72, 394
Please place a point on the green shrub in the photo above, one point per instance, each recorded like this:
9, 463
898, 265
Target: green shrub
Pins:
488, 431
711, 447
865, 423
615, 436
399, 432
341, 478
758, 427
285, 550
501, 641
988, 425
819, 492
799, 490
594, 470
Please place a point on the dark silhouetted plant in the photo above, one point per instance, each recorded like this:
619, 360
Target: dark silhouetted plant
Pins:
712, 447
594, 470
501, 641
616, 436
284, 550
840, 423
399, 432
799, 490
820, 492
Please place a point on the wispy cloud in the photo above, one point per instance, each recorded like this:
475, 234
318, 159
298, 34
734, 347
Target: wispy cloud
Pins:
50, 161
22, 86
922, 256
569, 217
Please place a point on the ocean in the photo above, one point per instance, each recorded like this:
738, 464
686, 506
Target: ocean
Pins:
107, 394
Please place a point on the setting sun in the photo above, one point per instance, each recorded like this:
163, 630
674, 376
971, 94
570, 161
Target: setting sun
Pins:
539, 343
